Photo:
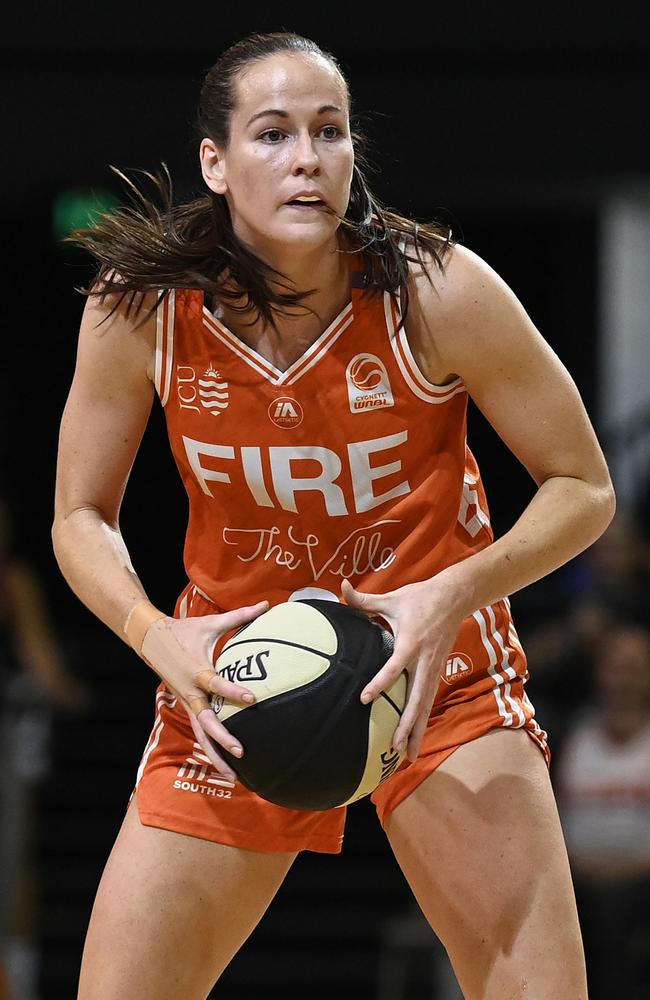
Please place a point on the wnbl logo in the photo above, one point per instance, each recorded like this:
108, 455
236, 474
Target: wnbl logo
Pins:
368, 385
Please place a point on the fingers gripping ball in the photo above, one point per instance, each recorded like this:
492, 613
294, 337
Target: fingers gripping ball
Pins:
309, 742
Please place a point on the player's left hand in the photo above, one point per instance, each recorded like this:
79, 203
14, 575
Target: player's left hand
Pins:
424, 622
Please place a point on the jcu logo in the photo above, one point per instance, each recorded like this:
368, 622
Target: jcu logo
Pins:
209, 391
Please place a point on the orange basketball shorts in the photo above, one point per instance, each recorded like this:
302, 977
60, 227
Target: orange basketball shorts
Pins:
481, 689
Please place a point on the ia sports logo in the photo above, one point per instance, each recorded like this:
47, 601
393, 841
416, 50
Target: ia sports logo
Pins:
286, 412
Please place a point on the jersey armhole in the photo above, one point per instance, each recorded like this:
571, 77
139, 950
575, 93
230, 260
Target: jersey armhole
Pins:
413, 376
164, 353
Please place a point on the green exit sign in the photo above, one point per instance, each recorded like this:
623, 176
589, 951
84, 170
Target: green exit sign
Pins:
77, 208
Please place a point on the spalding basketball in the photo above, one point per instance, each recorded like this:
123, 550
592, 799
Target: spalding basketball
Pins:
308, 741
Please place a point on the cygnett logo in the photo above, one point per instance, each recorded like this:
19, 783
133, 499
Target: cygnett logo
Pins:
365, 373
368, 384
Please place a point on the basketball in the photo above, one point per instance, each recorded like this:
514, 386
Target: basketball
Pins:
308, 741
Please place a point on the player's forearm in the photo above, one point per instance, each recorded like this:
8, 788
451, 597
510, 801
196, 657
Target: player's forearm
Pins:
565, 516
94, 560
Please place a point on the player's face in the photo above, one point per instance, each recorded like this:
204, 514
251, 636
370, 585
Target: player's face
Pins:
289, 143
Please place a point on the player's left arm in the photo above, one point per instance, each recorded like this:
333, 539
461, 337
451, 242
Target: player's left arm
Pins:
470, 323
529, 397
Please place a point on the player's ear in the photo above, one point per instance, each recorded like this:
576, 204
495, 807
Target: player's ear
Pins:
213, 166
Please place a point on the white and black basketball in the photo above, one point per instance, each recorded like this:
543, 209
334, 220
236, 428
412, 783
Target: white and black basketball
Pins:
308, 741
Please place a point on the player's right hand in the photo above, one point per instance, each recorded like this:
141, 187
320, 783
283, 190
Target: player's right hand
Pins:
180, 650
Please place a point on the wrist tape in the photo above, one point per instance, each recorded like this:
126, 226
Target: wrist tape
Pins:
138, 622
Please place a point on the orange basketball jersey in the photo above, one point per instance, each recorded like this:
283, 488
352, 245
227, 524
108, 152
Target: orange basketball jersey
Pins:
348, 464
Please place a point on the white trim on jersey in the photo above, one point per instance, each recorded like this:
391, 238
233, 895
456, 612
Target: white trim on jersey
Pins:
513, 635
251, 357
500, 681
199, 769
417, 382
540, 734
203, 594
164, 355
512, 632
188, 599
506, 667
305, 362
324, 347
162, 698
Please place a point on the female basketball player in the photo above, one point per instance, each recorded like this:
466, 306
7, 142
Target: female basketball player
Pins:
314, 357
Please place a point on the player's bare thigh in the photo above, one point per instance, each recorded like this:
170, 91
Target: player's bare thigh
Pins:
481, 846
170, 913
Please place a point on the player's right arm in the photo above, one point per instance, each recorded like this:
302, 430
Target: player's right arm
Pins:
101, 430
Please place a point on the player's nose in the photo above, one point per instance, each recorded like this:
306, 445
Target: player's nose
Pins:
305, 157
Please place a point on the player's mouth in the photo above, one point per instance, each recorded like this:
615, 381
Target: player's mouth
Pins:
307, 202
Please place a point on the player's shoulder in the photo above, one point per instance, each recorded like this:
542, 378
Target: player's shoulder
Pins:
462, 311
462, 284
128, 310
118, 330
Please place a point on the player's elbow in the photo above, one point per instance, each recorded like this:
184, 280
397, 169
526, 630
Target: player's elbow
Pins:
602, 505
67, 526
59, 536
610, 502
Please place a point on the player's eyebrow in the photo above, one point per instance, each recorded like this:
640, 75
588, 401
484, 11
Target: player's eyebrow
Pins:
325, 109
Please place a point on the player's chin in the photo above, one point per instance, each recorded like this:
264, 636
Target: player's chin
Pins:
307, 236
314, 222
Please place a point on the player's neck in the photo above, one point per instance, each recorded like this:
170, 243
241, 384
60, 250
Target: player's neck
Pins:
327, 273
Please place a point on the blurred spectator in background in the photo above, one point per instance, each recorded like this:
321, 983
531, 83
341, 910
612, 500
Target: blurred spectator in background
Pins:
564, 620
603, 786
33, 682
613, 580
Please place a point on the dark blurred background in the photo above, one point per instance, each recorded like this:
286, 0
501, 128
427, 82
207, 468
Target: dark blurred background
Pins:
526, 127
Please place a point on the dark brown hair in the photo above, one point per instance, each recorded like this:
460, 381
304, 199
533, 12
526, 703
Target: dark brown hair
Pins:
153, 244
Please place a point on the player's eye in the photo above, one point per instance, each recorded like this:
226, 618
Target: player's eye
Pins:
272, 135
330, 131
